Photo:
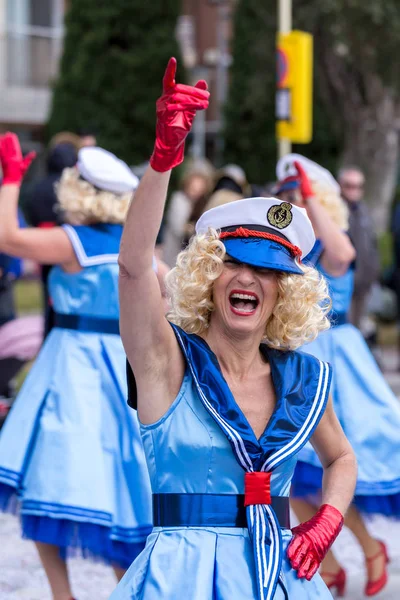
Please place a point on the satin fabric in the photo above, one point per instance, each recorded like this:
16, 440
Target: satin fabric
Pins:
369, 413
188, 452
70, 450
366, 407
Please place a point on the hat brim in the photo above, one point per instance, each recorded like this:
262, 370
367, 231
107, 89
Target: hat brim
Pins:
262, 253
287, 186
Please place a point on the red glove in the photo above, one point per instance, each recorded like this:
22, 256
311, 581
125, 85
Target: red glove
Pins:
312, 540
14, 166
176, 110
305, 184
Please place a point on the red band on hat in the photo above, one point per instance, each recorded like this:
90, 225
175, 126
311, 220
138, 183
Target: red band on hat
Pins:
242, 232
257, 488
289, 179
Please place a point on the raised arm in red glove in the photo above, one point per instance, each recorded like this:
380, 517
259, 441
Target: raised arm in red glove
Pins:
305, 184
13, 165
176, 110
312, 540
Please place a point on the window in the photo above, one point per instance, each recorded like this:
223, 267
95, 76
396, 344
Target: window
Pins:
41, 13
33, 41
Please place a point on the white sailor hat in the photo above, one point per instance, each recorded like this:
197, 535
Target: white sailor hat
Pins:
105, 171
287, 175
262, 232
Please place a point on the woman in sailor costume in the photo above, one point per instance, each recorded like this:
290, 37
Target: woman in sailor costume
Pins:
71, 456
224, 401
365, 405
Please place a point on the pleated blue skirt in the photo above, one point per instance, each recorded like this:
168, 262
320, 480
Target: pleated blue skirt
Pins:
206, 563
369, 413
71, 456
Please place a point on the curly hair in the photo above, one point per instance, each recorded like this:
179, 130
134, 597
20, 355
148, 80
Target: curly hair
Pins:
83, 204
299, 314
333, 203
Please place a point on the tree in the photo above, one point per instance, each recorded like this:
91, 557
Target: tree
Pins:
359, 78
250, 110
115, 54
250, 126
357, 84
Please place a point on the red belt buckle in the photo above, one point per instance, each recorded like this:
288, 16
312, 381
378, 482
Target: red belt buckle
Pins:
257, 488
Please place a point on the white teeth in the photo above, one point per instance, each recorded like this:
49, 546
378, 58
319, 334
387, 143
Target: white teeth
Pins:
244, 297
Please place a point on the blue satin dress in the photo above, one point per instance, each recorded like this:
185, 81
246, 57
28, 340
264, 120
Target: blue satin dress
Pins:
366, 407
71, 455
204, 445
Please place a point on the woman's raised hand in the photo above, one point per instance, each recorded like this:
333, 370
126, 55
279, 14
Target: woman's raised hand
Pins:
305, 184
13, 164
176, 110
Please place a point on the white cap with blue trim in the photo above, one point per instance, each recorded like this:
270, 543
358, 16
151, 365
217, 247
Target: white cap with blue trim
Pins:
105, 171
285, 170
262, 232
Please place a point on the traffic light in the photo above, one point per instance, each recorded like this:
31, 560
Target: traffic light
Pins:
294, 87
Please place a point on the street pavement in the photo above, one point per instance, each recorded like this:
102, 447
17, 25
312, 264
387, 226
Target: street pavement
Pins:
22, 578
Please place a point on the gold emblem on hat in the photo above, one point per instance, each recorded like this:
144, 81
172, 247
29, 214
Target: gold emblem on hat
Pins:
280, 215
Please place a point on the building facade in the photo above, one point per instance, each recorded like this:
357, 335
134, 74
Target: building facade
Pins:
31, 34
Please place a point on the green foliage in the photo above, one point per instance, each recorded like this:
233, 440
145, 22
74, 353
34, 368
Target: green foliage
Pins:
360, 40
115, 54
250, 111
365, 33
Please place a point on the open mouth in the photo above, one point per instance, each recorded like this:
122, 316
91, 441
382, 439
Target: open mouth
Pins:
243, 303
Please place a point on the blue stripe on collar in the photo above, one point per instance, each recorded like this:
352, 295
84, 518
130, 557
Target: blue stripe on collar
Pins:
301, 385
95, 244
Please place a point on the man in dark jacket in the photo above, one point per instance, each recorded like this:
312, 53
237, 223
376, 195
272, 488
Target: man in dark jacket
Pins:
362, 234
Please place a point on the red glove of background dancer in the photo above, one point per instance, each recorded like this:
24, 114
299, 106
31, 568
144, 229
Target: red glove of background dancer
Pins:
176, 110
13, 165
305, 184
312, 540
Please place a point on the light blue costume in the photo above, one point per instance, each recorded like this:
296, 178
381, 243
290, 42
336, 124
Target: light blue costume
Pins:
70, 451
365, 405
198, 454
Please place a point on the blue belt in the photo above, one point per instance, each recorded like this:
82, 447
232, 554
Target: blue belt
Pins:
212, 510
84, 323
338, 319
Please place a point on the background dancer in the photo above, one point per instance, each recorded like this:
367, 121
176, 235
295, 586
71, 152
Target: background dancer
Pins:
366, 407
70, 449
220, 415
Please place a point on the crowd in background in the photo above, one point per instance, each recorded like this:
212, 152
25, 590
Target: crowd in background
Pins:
201, 187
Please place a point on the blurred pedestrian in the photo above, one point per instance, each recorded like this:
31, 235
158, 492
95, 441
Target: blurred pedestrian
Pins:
70, 450
362, 234
195, 187
88, 137
42, 209
365, 405
20, 338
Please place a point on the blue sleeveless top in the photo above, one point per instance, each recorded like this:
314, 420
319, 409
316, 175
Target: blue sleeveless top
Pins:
204, 443
96, 248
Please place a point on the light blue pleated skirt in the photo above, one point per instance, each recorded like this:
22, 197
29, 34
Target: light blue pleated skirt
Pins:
71, 456
370, 416
206, 564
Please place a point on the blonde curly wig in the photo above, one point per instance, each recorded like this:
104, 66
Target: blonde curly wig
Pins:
333, 203
83, 204
298, 316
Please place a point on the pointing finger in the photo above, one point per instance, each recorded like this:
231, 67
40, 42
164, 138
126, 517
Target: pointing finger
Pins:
169, 75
